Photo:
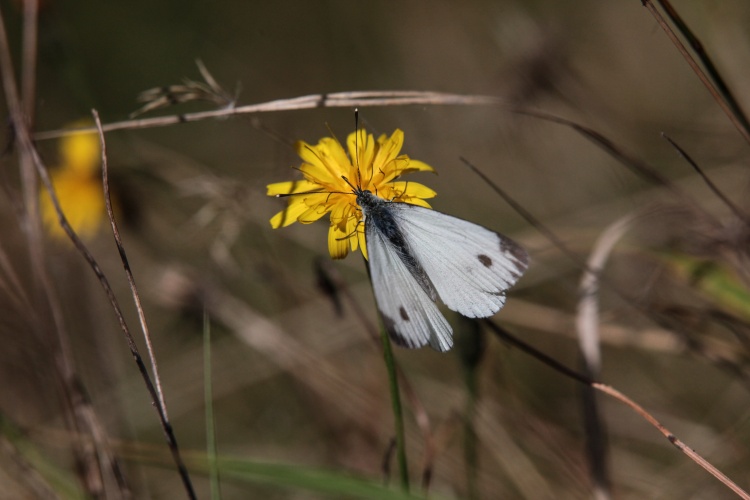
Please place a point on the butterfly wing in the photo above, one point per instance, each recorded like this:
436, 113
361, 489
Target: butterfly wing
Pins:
410, 315
469, 265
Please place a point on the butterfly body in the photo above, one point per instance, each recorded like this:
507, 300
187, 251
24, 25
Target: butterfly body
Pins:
418, 255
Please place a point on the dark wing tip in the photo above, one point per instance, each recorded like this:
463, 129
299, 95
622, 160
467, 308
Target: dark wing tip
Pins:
519, 253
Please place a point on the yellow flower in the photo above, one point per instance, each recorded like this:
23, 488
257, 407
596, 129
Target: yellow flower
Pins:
370, 165
78, 187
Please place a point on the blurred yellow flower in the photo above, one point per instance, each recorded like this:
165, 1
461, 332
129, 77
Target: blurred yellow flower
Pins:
373, 165
78, 187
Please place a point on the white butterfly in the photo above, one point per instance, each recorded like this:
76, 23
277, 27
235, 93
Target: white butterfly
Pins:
417, 255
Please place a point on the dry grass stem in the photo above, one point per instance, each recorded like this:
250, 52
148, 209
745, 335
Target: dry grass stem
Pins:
694, 456
739, 121
333, 100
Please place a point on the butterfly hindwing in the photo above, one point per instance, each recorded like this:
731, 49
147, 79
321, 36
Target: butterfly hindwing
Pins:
409, 313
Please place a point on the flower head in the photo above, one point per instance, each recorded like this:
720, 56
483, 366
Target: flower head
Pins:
372, 165
78, 187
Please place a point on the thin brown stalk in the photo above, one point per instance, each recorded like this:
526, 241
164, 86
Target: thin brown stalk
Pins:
713, 187
126, 265
720, 100
28, 66
527, 216
587, 319
24, 140
78, 412
82, 417
11, 284
636, 165
694, 456
506, 336
587, 328
333, 100
156, 396
20, 120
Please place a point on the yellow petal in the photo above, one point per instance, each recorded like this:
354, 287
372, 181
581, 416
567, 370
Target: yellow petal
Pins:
353, 224
417, 201
290, 187
314, 199
312, 214
404, 165
290, 214
325, 163
336, 153
361, 150
308, 152
340, 213
388, 151
315, 165
418, 166
413, 189
338, 246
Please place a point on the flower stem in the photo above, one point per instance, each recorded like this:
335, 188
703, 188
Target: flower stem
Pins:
398, 416
471, 347
209, 402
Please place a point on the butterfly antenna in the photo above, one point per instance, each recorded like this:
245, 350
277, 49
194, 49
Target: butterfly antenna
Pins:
349, 182
356, 145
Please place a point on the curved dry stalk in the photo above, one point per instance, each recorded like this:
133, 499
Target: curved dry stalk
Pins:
587, 317
28, 66
126, 264
739, 213
104, 282
587, 329
98, 463
728, 105
26, 144
506, 336
635, 164
20, 121
156, 392
708, 63
694, 456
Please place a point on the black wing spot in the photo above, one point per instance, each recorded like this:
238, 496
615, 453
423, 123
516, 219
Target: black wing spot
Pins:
485, 260
403, 313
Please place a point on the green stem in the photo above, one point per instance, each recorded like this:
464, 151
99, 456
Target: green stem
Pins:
471, 347
398, 416
208, 398
471, 455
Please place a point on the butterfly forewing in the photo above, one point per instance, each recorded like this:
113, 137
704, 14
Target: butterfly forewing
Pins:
410, 315
469, 265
